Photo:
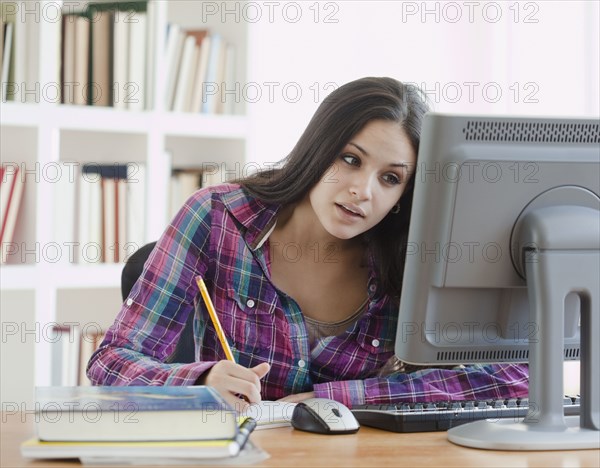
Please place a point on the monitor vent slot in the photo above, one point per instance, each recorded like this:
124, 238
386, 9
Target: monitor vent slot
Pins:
535, 132
572, 353
498, 355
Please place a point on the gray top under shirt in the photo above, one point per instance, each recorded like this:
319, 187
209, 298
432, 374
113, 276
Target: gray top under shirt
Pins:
317, 329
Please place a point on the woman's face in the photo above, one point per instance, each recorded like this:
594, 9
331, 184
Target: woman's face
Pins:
366, 180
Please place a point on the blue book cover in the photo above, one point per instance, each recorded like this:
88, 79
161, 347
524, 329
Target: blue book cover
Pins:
142, 398
133, 413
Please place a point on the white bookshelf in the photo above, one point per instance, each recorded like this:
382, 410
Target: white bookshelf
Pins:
44, 134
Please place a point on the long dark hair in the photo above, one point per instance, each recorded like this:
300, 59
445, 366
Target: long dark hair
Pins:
337, 120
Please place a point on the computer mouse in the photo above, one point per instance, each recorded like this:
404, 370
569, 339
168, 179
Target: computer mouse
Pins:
324, 416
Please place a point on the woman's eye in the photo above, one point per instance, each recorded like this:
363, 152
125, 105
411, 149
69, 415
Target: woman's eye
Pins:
352, 160
392, 179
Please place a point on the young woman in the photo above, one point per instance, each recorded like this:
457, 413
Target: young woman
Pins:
304, 265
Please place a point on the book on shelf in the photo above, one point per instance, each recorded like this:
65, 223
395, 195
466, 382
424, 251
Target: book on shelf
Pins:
100, 63
211, 86
200, 75
228, 102
135, 91
72, 346
65, 342
65, 197
150, 48
120, 59
7, 33
20, 39
75, 59
173, 53
90, 340
1, 39
128, 414
7, 52
81, 76
11, 194
188, 79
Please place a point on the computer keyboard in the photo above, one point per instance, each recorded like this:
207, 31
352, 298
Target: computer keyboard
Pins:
441, 416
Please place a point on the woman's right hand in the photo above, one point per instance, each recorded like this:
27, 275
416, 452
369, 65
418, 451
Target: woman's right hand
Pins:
232, 381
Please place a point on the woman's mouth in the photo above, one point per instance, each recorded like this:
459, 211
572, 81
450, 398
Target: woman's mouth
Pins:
350, 210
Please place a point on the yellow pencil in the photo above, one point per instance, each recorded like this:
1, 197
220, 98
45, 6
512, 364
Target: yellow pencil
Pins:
214, 318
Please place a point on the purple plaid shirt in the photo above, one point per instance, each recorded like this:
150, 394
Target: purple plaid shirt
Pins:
218, 234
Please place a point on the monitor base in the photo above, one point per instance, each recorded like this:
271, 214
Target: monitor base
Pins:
511, 435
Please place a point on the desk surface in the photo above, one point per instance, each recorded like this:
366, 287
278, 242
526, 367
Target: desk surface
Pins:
368, 447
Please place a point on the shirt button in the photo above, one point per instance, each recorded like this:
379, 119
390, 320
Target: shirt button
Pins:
373, 288
129, 302
250, 303
301, 363
375, 342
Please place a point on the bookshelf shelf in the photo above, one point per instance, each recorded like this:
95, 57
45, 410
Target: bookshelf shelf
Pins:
24, 277
18, 277
89, 276
89, 118
181, 124
40, 134
19, 115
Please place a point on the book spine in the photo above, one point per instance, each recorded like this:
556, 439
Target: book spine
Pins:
137, 61
11, 214
82, 43
185, 75
120, 60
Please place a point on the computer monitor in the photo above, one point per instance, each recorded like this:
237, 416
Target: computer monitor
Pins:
503, 265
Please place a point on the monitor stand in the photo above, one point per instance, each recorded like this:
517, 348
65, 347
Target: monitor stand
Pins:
565, 259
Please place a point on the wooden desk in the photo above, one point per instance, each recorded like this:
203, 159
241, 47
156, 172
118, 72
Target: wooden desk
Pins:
368, 447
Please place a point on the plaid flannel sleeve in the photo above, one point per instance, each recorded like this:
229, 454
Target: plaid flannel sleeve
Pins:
475, 382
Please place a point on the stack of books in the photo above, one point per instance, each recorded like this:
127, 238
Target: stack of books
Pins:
133, 425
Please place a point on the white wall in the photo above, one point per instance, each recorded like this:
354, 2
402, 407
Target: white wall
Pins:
541, 56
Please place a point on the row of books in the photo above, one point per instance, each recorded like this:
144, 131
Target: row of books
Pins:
12, 184
107, 55
104, 212
107, 58
200, 72
101, 212
122, 425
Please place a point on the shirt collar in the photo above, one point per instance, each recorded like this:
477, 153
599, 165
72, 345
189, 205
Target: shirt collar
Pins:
257, 217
